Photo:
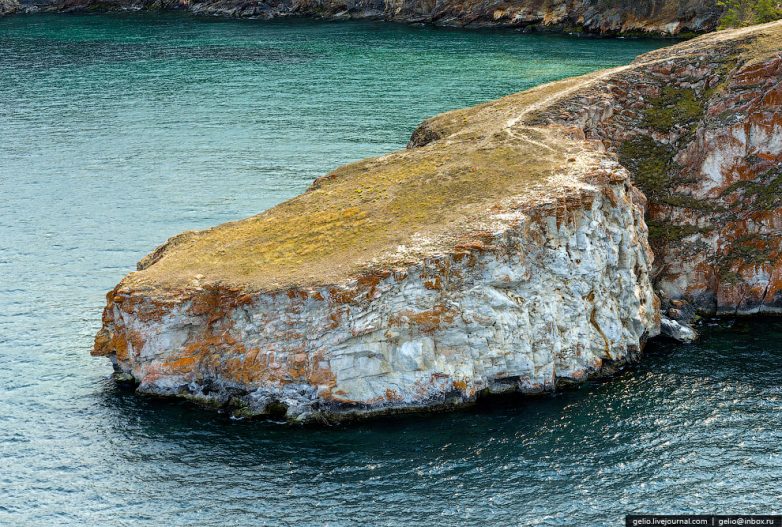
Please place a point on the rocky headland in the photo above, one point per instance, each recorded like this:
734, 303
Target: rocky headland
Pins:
505, 250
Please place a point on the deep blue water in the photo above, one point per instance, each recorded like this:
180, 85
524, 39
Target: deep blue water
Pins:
119, 131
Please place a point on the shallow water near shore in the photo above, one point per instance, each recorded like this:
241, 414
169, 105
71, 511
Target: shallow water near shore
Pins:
119, 131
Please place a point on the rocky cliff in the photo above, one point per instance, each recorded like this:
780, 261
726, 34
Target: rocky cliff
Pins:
504, 258
699, 126
504, 250
667, 17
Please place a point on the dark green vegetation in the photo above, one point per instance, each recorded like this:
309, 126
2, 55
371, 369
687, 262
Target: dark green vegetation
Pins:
675, 112
740, 13
667, 232
674, 107
651, 164
763, 194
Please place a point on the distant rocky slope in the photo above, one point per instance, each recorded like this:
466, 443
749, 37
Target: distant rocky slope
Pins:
504, 250
667, 17
703, 140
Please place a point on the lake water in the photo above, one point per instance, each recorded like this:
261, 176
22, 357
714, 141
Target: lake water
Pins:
117, 132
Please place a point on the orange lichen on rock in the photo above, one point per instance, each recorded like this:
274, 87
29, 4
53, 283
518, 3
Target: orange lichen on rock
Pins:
428, 321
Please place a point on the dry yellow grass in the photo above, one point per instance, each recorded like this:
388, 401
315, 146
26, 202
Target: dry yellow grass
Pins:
373, 213
392, 210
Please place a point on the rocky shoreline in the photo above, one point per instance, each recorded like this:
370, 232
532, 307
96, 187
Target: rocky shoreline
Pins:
658, 17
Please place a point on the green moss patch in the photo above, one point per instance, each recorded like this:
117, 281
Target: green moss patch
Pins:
673, 107
660, 231
649, 162
764, 193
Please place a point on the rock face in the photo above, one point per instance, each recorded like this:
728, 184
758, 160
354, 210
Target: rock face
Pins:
667, 17
551, 293
700, 128
503, 258
504, 250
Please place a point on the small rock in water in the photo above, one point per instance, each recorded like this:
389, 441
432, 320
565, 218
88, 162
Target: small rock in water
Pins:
123, 378
682, 333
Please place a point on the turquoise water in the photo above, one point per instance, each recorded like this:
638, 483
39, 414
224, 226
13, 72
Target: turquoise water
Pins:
119, 131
